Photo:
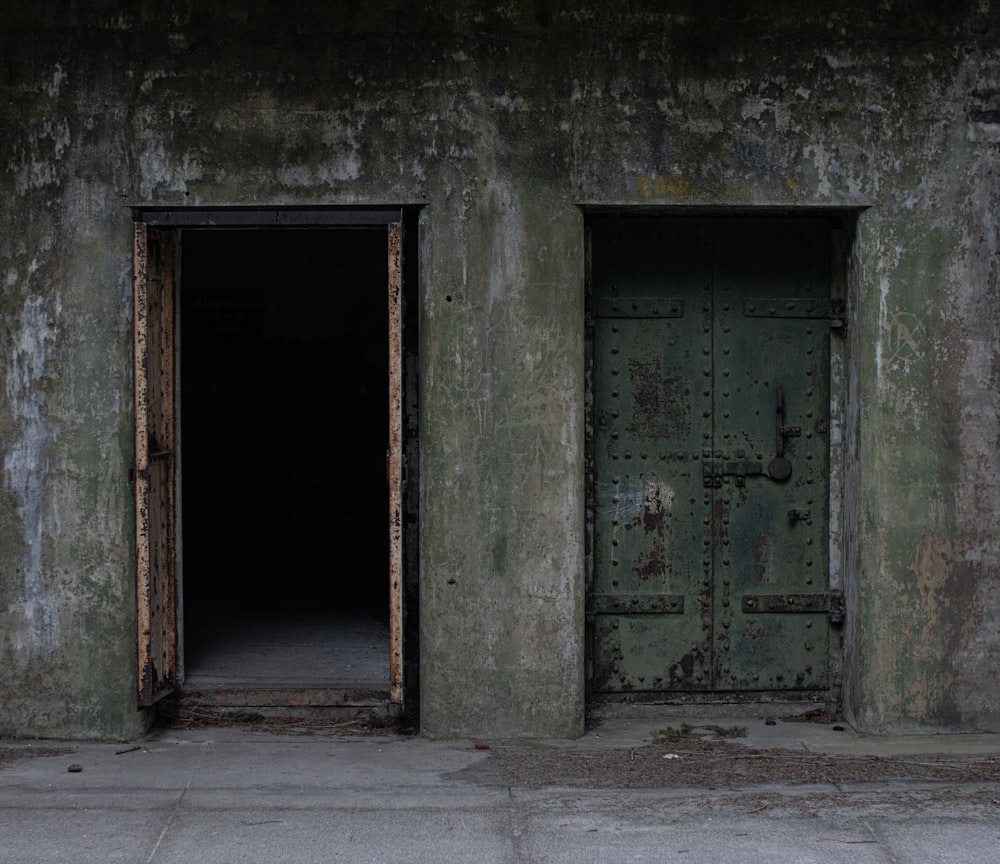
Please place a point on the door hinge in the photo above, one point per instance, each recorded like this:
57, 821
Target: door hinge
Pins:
836, 607
831, 602
833, 310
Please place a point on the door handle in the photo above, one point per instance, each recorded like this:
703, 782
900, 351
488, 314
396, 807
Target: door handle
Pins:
780, 468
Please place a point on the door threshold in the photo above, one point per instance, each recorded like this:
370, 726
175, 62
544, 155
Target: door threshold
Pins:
711, 708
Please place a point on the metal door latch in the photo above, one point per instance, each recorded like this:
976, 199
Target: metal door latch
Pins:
714, 468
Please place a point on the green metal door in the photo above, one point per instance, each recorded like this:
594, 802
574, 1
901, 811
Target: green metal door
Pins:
711, 454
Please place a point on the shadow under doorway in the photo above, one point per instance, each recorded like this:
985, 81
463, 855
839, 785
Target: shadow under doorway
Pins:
284, 428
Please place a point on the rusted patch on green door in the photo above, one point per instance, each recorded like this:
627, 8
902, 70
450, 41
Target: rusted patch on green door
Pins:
711, 394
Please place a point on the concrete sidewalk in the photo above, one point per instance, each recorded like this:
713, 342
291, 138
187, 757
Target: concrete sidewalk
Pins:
225, 795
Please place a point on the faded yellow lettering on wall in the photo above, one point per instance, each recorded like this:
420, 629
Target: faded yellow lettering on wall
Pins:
736, 188
677, 186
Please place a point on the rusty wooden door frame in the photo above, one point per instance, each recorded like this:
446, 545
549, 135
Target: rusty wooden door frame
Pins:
395, 460
156, 577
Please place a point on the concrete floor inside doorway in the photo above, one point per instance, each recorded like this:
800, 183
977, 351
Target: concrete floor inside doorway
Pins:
291, 649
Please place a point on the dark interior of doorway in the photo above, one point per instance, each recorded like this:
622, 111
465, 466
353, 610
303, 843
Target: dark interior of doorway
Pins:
284, 425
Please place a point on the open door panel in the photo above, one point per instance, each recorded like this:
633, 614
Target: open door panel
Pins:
154, 259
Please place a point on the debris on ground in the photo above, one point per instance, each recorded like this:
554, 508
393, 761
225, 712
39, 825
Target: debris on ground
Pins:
687, 756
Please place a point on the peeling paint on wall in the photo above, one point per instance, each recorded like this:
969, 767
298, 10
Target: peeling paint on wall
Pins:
26, 464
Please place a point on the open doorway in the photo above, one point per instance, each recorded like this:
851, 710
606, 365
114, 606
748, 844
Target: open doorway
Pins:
284, 430
269, 457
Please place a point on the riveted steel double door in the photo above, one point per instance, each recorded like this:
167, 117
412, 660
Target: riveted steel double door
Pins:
711, 455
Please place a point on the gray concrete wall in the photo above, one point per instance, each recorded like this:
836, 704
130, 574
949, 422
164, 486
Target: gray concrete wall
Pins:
504, 119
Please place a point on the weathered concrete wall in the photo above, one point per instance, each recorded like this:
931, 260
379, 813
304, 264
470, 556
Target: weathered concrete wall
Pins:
66, 600
504, 119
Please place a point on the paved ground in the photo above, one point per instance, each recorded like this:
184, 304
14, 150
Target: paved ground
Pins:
230, 795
